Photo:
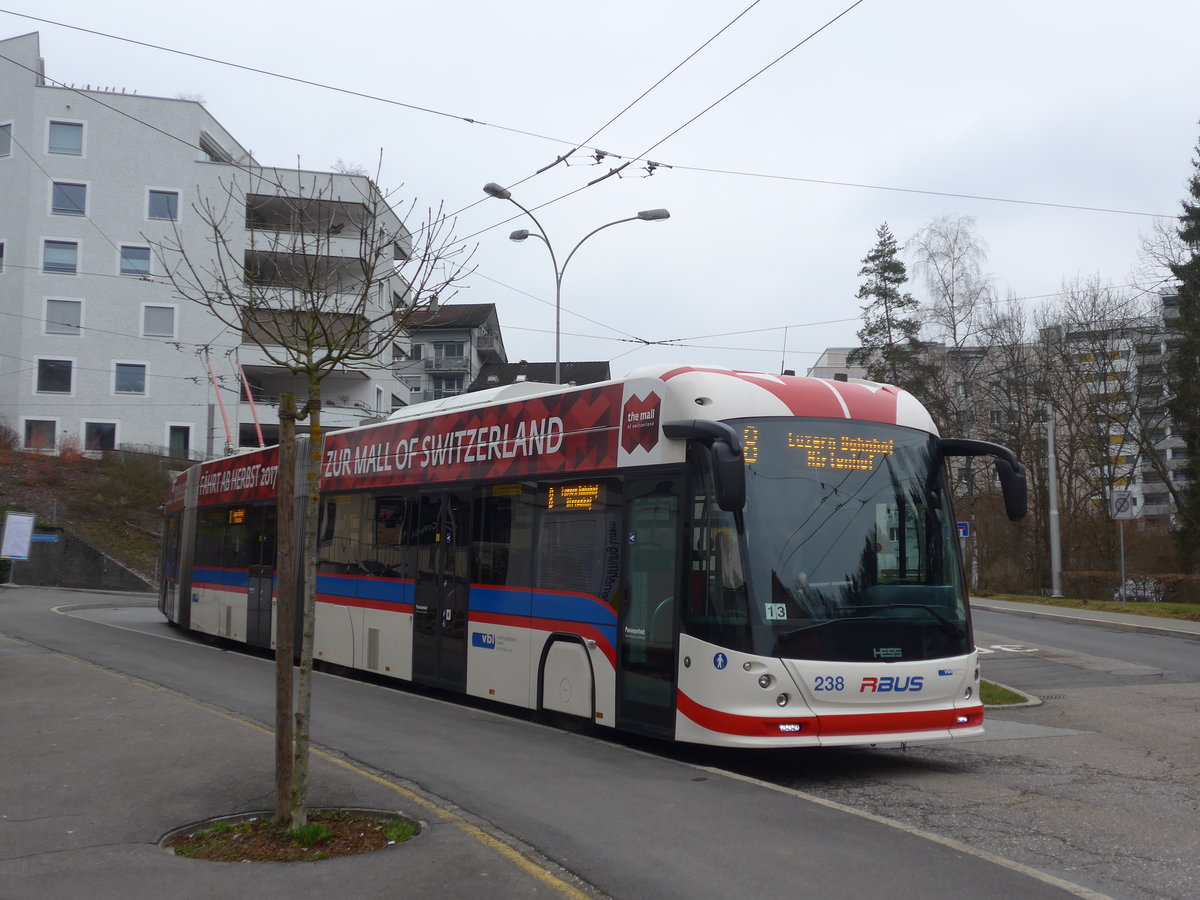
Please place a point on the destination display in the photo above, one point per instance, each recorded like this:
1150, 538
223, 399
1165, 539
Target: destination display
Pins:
575, 496
845, 452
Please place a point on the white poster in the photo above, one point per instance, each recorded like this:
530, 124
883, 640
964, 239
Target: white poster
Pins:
18, 532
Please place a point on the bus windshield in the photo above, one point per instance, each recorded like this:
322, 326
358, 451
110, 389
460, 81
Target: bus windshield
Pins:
851, 547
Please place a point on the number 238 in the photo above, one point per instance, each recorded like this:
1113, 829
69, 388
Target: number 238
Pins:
829, 683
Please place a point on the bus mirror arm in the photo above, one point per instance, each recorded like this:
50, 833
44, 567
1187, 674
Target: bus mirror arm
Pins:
729, 468
1008, 469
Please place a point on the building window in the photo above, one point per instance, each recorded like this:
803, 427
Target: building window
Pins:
413, 382
5, 140
1, 256
447, 386
158, 321
179, 441
60, 257
99, 435
54, 376
66, 138
129, 378
135, 260
164, 205
41, 434
64, 316
414, 352
68, 199
448, 350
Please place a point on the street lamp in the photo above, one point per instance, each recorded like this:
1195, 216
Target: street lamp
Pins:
494, 190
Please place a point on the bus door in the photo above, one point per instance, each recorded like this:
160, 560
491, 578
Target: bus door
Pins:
259, 606
647, 631
441, 589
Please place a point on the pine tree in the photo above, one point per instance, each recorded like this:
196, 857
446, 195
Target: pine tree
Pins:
1184, 369
889, 346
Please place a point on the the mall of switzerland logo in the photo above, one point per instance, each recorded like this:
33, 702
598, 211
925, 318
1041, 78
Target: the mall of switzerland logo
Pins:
639, 423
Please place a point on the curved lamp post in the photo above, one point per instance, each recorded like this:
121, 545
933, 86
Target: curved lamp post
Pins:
500, 193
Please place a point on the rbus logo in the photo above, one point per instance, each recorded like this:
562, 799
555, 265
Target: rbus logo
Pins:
639, 423
887, 684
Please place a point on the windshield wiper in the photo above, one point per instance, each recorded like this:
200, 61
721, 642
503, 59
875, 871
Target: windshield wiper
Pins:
837, 621
948, 625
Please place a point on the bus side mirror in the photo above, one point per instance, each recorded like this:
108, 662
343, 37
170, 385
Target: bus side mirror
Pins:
729, 475
1008, 469
729, 466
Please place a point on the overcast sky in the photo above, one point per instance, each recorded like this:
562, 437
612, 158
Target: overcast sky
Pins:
1088, 105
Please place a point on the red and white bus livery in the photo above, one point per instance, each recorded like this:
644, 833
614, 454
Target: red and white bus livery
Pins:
700, 554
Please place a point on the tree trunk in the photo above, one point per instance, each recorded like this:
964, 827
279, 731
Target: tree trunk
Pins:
312, 514
285, 608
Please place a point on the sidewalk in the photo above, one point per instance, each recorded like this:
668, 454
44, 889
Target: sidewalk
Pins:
1117, 621
97, 765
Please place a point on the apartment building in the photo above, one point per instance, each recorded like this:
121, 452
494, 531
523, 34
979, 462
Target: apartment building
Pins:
103, 191
448, 348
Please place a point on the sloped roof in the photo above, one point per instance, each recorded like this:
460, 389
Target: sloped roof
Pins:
498, 374
453, 315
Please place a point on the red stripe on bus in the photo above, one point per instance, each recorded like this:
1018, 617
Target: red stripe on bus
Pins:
361, 603
828, 726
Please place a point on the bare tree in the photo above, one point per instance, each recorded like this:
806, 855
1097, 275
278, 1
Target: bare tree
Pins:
1012, 391
319, 272
1105, 426
948, 255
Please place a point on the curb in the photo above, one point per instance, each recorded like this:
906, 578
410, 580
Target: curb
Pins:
1134, 627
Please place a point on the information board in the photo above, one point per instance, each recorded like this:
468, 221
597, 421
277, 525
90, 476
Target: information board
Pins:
18, 534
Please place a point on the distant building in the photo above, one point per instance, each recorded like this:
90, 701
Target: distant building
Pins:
833, 362
1122, 376
96, 348
449, 348
499, 374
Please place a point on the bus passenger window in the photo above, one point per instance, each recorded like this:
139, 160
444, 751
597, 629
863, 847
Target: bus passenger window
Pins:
502, 534
579, 538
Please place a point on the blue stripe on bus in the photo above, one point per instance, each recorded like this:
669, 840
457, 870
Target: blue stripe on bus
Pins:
225, 577
542, 605
383, 590
573, 608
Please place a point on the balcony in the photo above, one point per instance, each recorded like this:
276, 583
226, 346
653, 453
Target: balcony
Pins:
490, 347
448, 364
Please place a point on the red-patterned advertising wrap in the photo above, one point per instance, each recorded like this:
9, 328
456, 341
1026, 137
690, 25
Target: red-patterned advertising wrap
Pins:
240, 479
571, 432
176, 494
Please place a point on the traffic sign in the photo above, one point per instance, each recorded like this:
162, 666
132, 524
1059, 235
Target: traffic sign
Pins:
1120, 504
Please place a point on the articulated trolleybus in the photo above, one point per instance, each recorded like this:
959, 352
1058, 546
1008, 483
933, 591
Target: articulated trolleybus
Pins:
697, 554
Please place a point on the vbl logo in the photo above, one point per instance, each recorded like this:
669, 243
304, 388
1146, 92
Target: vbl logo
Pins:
889, 684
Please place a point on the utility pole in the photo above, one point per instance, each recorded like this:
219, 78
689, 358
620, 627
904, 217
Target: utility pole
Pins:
1052, 477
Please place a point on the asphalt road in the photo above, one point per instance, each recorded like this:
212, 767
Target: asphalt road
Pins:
1100, 783
628, 822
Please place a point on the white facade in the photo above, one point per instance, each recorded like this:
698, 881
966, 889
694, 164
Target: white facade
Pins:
97, 349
